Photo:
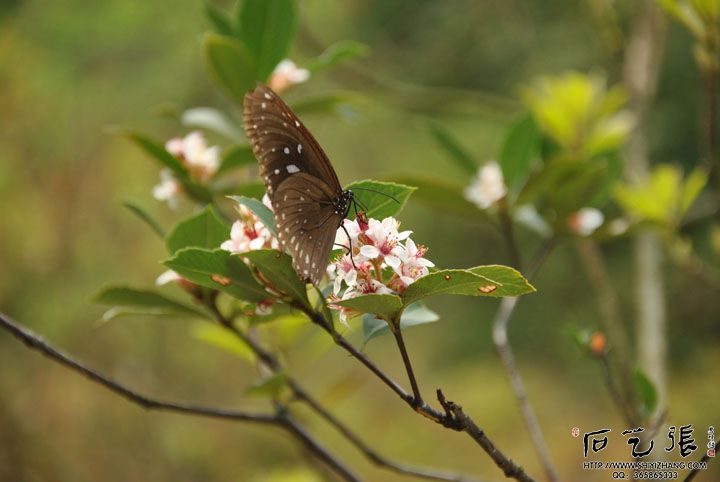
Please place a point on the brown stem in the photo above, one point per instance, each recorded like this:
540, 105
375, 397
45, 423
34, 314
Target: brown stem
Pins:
509, 468
406, 361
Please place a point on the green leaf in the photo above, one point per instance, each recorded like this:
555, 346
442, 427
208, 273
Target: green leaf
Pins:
453, 147
267, 27
219, 20
338, 52
202, 230
277, 268
645, 389
224, 339
212, 120
145, 217
442, 195
218, 269
146, 300
509, 281
414, 315
466, 282
520, 148
260, 210
384, 306
694, 185
374, 195
231, 64
268, 387
236, 156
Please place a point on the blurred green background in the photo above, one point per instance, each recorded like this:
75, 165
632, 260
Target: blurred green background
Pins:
69, 69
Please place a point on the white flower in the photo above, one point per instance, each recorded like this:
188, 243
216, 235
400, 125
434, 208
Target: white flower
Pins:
585, 221
249, 234
382, 238
167, 277
168, 190
487, 187
287, 74
201, 161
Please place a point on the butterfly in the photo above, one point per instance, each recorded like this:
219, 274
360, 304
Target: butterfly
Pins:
308, 202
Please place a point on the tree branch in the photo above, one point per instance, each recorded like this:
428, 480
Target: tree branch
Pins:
302, 395
289, 424
453, 417
280, 419
35, 342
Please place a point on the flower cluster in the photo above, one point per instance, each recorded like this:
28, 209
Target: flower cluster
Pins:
201, 162
249, 233
383, 260
488, 186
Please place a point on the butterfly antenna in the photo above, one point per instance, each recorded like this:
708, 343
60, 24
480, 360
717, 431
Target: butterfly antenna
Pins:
354, 188
350, 245
357, 203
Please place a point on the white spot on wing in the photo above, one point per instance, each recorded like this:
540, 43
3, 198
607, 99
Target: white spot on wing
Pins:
299, 148
286, 150
307, 259
268, 96
263, 105
297, 124
292, 168
277, 171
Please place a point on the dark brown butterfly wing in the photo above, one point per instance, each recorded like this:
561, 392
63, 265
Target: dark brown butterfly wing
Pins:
306, 223
281, 142
308, 201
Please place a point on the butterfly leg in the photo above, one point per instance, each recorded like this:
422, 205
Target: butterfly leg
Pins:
349, 243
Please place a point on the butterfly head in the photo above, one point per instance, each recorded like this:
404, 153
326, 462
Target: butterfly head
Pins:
342, 203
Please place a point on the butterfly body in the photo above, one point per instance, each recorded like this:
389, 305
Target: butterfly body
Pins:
308, 202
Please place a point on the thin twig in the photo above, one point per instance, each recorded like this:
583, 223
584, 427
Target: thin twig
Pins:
302, 395
502, 345
35, 342
408, 365
289, 424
